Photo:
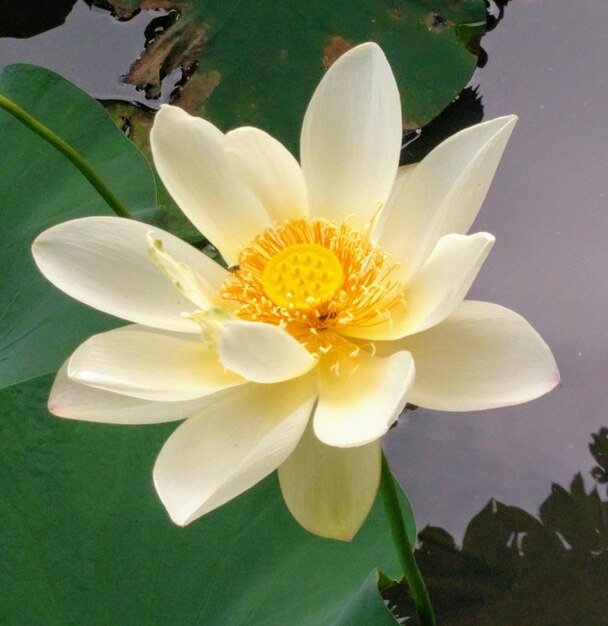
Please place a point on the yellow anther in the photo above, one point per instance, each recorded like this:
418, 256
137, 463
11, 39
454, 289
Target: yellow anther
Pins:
292, 288
346, 284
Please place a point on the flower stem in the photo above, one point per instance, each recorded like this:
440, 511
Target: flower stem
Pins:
48, 135
411, 572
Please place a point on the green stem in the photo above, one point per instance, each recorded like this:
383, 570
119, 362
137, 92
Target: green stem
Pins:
411, 572
48, 135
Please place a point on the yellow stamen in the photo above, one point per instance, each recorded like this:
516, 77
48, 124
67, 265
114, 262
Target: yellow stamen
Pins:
316, 280
302, 275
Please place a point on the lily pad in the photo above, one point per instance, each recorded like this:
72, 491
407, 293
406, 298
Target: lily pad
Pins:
256, 62
366, 606
39, 187
85, 540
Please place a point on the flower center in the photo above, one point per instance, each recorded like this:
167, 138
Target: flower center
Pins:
318, 280
302, 275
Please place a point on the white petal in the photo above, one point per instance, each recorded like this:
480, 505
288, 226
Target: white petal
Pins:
189, 156
263, 353
182, 276
357, 407
270, 171
403, 172
151, 366
74, 400
330, 490
444, 193
103, 262
444, 280
214, 457
483, 356
351, 138
437, 289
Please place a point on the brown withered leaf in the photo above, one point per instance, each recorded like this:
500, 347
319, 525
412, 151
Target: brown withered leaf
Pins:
180, 46
336, 47
124, 10
196, 91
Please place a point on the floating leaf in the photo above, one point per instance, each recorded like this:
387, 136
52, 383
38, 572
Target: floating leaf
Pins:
253, 62
85, 540
366, 607
39, 187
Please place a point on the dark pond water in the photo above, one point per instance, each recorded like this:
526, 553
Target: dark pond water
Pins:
548, 210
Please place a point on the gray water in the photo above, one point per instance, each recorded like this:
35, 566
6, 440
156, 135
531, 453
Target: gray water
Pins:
91, 49
548, 208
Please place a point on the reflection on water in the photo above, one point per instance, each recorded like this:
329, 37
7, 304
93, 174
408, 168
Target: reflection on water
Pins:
599, 449
547, 209
92, 49
465, 111
26, 18
517, 569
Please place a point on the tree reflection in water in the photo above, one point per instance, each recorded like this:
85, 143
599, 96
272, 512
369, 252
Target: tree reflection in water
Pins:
518, 570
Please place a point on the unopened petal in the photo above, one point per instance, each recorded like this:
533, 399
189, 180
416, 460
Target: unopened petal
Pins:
481, 357
189, 156
358, 406
218, 455
78, 401
269, 170
263, 353
330, 490
104, 262
150, 366
443, 194
351, 138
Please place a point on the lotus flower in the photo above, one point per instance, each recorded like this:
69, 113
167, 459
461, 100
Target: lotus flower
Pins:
343, 301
